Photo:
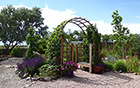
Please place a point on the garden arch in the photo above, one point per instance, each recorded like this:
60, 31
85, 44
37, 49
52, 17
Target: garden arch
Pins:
83, 24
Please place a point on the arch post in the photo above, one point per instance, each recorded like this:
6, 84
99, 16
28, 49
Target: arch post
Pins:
61, 53
72, 53
62, 50
76, 56
90, 58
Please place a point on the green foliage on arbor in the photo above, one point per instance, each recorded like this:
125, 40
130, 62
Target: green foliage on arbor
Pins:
121, 33
15, 22
93, 37
54, 43
31, 40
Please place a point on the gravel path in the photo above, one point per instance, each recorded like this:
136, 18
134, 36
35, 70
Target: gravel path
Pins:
82, 79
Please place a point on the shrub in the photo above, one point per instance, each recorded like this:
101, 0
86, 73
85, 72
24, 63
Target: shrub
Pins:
31, 66
48, 70
32, 41
133, 63
108, 66
18, 52
120, 66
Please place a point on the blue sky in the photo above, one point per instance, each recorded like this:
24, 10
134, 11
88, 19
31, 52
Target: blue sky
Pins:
97, 11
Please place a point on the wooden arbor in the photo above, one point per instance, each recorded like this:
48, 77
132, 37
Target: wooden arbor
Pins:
83, 24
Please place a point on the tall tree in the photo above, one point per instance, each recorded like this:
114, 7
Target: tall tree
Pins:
120, 31
15, 22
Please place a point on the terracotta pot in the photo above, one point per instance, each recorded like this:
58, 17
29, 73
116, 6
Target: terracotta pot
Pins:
98, 69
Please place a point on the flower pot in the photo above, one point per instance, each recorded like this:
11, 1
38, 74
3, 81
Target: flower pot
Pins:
98, 69
69, 73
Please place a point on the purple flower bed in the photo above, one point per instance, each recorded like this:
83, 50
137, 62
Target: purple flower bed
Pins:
31, 66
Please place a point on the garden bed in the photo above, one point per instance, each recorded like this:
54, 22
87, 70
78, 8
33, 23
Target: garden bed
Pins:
81, 79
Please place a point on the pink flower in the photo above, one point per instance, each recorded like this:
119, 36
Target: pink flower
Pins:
76, 65
62, 68
64, 62
65, 66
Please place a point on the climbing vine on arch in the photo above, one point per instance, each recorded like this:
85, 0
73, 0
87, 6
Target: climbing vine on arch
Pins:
54, 43
92, 36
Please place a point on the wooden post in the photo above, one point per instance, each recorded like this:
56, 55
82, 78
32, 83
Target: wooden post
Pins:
72, 53
90, 58
76, 56
61, 52
61, 49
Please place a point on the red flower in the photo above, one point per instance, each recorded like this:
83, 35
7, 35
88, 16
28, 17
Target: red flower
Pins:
127, 60
134, 62
137, 55
137, 64
135, 52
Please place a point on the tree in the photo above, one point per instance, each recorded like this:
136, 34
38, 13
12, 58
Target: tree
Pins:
15, 22
121, 33
32, 41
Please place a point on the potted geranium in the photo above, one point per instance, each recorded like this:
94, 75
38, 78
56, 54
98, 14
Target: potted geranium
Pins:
68, 68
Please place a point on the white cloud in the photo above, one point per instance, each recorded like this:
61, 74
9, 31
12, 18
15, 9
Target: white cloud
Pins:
55, 17
103, 28
138, 17
133, 27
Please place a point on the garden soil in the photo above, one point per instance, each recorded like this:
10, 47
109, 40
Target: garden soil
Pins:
81, 79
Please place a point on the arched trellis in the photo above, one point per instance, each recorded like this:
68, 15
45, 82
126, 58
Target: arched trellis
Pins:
82, 23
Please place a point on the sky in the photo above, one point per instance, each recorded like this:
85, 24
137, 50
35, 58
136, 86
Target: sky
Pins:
98, 12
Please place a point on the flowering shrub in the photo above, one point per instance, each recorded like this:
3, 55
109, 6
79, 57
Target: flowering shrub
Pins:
133, 63
31, 66
69, 65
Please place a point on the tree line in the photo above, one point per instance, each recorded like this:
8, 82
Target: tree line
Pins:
16, 22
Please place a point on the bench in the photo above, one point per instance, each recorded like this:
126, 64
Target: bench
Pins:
85, 64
